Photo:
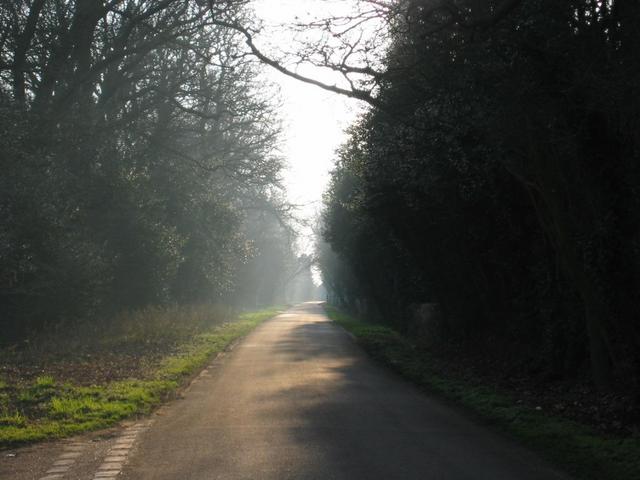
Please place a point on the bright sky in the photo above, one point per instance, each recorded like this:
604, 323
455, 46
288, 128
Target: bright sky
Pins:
314, 120
314, 127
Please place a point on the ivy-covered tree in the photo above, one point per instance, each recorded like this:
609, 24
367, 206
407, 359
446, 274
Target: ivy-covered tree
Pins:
501, 159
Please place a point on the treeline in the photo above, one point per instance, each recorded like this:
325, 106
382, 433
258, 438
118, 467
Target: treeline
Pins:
499, 178
136, 149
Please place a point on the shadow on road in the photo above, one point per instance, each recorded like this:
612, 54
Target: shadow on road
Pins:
357, 420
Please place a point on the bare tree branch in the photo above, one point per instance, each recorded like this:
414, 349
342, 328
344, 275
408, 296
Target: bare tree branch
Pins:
353, 92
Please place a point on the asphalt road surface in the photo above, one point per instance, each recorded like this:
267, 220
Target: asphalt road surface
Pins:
298, 399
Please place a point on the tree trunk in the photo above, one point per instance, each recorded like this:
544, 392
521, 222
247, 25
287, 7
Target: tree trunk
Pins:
551, 208
23, 42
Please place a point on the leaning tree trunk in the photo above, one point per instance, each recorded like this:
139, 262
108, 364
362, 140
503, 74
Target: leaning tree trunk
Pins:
556, 209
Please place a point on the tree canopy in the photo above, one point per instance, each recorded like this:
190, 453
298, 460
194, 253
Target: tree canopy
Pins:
497, 177
138, 144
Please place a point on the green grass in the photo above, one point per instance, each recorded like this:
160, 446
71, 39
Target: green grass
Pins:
48, 409
576, 448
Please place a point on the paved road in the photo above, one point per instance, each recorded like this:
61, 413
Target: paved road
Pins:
297, 399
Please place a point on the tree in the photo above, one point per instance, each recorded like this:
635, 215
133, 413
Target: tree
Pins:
136, 135
502, 167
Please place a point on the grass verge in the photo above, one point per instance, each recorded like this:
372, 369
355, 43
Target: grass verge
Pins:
45, 408
576, 448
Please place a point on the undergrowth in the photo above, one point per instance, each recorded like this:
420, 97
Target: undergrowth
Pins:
576, 448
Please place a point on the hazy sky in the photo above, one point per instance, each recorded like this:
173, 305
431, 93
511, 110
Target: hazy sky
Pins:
314, 119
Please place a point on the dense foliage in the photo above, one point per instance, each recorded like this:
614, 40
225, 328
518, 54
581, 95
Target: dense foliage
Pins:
498, 178
137, 160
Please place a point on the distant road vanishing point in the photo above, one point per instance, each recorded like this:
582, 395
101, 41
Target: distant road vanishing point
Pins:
298, 399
